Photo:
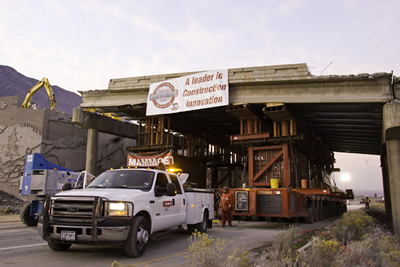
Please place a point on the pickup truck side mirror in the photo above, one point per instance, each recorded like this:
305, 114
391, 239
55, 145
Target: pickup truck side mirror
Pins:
171, 189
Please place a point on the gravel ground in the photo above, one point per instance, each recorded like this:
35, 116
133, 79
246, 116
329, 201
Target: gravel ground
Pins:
10, 204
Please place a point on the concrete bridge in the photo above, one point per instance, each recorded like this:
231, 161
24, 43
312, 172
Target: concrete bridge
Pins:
343, 113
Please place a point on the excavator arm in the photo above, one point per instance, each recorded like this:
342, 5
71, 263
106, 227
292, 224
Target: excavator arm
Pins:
93, 110
44, 82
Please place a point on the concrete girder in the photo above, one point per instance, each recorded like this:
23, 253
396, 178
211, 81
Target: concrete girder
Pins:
283, 83
103, 124
96, 123
396, 87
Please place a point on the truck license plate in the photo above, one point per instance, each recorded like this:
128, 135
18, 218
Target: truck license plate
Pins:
68, 235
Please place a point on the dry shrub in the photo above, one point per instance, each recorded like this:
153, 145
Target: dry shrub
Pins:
353, 226
378, 212
116, 264
371, 251
7, 210
377, 207
390, 250
355, 254
321, 253
282, 252
364, 248
205, 252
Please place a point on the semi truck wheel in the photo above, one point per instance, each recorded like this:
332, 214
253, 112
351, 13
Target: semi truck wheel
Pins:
58, 246
25, 216
138, 236
202, 226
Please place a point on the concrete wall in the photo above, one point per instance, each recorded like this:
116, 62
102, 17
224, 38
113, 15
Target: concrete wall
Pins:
26, 131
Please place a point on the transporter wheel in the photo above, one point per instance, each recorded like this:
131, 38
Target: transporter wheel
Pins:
244, 218
280, 219
202, 226
295, 219
315, 214
310, 217
25, 216
136, 243
58, 246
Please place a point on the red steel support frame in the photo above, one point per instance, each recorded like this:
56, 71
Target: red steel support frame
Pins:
285, 155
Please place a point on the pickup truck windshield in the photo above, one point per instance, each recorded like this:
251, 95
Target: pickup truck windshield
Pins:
131, 179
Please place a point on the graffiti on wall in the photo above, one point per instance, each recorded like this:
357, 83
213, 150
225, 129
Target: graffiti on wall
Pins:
69, 152
12, 154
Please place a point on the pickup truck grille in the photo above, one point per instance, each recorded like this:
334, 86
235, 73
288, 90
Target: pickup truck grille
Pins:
65, 209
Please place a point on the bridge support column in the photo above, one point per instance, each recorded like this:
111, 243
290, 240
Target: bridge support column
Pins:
391, 136
91, 150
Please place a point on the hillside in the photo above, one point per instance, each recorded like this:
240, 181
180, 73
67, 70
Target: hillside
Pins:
14, 83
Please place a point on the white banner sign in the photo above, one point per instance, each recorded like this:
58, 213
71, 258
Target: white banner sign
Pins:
136, 160
198, 91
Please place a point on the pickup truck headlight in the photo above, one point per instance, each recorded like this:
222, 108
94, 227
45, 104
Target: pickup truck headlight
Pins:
118, 209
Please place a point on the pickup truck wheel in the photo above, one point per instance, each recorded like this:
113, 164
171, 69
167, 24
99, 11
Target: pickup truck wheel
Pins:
190, 228
202, 226
58, 246
25, 216
138, 236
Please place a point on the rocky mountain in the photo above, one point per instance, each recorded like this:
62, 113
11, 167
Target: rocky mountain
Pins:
14, 83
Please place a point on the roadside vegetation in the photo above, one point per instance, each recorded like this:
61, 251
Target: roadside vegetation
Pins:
357, 239
206, 251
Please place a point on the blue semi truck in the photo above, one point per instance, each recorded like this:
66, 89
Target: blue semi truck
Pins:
42, 178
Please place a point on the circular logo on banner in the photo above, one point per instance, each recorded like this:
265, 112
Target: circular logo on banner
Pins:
164, 95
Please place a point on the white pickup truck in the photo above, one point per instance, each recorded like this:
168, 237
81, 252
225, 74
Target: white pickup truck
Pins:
124, 206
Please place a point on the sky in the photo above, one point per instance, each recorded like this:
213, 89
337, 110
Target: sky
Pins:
80, 45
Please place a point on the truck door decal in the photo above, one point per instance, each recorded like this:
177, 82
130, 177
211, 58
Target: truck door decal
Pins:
167, 203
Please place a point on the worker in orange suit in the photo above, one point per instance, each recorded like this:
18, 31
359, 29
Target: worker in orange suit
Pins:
226, 206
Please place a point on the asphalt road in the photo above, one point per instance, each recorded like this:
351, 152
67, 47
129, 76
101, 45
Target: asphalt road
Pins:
22, 246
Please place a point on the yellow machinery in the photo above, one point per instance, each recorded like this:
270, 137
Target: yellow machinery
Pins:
105, 114
44, 82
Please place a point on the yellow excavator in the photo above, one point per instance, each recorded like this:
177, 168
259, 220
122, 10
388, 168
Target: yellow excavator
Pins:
44, 82
105, 114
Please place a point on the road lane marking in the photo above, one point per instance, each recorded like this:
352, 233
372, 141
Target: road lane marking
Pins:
26, 246
158, 259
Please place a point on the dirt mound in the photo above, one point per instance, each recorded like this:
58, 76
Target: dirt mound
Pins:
10, 204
